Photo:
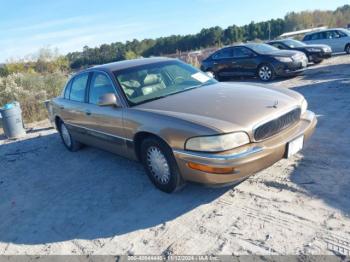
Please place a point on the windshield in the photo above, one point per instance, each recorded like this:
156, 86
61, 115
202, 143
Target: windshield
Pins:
149, 82
293, 43
262, 48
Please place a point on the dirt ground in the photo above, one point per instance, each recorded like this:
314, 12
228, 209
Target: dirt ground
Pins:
93, 202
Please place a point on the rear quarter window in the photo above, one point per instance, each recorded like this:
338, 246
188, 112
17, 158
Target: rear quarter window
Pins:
67, 89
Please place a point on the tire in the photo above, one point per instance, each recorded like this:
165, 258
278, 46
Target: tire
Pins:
318, 61
160, 165
347, 48
69, 142
266, 73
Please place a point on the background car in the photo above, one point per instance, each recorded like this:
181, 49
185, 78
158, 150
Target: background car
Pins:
338, 39
254, 59
314, 53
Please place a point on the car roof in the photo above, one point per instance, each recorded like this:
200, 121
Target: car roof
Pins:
120, 65
241, 44
325, 30
281, 40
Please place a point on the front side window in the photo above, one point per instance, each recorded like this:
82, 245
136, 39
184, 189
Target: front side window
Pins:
149, 82
342, 34
291, 43
279, 45
78, 87
316, 36
332, 34
262, 48
241, 52
100, 85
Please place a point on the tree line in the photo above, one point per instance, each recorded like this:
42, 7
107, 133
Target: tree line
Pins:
208, 37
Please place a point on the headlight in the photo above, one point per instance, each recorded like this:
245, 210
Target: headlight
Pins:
303, 106
217, 143
311, 49
284, 59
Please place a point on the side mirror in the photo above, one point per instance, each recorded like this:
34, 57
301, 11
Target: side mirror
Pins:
108, 99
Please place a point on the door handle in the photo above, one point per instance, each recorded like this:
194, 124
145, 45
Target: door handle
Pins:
233, 62
215, 63
88, 113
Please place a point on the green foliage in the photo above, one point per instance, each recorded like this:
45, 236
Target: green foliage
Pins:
33, 82
208, 37
31, 90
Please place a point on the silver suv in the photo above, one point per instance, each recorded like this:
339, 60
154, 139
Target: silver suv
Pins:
338, 39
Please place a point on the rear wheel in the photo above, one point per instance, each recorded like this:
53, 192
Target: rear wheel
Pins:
70, 143
160, 165
347, 49
266, 73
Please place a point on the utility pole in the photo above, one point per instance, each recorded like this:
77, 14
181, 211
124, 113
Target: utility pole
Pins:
269, 31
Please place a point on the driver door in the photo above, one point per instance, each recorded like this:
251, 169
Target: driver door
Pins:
244, 62
104, 124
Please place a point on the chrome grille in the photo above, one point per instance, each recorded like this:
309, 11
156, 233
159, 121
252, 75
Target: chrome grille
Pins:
275, 126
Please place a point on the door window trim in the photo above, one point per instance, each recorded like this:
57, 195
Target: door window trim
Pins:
242, 47
90, 82
86, 86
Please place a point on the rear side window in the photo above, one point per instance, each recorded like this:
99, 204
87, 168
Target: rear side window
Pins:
316, 36
224, 53
100, 85
78, 87
307, 38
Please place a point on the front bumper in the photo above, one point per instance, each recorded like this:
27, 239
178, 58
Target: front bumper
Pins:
246, 160
290, 69
319, 56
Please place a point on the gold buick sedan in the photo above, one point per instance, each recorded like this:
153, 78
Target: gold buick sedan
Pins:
179, 122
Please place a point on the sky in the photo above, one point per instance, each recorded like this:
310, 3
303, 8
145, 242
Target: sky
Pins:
27, 26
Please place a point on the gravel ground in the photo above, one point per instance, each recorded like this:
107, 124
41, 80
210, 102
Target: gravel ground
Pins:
93, 202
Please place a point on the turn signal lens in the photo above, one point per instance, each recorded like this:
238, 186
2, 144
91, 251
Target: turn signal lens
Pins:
210, 169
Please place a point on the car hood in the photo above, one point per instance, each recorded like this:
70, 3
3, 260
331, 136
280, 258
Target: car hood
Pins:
284, 53
226, 107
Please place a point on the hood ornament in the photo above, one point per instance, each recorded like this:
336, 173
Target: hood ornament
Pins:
274, 105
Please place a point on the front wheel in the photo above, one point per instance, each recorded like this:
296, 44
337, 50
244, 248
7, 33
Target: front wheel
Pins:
160, 165
347, 49
266, 73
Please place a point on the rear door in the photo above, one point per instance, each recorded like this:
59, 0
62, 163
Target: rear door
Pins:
73, 109
316, 38
222, 64
244, 61
104, 124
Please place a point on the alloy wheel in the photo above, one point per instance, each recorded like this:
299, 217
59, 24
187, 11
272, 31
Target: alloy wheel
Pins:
265, 73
